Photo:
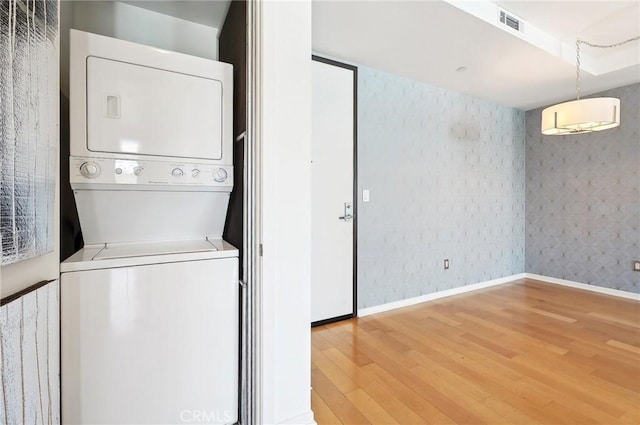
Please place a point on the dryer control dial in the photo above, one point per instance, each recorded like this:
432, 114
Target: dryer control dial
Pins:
90, 169
195, 173
177, 172
138, 170
220, 175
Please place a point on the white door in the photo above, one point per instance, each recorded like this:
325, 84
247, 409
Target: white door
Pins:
332, 189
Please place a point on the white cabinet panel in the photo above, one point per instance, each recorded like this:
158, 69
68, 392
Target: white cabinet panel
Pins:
31, 401
153, 344
10, 323
29, 390
53, 353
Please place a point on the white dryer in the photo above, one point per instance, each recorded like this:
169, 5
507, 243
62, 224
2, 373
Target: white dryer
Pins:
150, 305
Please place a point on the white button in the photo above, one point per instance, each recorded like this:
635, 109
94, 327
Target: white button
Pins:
138, 170
89, 169
177, 172
220, 175
195, 172
118, 170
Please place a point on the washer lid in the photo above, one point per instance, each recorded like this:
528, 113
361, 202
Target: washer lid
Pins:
96, 257
157, 248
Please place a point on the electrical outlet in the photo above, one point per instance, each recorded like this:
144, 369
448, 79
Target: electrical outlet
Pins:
446, 263
636, 266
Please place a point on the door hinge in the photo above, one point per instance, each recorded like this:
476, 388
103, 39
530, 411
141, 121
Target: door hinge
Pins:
260, 250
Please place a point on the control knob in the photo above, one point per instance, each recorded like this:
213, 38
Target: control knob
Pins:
220, 175
195, 172
138, 170
177, 172
90, 170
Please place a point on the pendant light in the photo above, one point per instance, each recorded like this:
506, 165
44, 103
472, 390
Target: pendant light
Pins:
583, 115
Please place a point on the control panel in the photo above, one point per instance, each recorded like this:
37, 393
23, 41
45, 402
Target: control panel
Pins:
85, 170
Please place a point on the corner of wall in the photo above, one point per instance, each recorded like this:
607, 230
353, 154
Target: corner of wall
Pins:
583, 200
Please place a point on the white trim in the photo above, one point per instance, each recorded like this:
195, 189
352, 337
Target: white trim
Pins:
437, 295
586, 287
481, 285
303, 419
252, 391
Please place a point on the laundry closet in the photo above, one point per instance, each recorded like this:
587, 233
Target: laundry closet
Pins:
152, 229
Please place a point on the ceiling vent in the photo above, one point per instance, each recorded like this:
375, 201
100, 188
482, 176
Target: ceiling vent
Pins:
510, 20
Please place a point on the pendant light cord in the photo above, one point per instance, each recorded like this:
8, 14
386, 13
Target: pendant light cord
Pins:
599, 46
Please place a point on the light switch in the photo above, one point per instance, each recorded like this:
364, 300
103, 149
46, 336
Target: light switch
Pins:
365, 195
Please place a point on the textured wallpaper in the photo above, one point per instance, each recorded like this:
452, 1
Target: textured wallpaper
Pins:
446, 173
583, 200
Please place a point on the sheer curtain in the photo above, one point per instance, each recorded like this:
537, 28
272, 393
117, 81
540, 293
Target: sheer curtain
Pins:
28, 127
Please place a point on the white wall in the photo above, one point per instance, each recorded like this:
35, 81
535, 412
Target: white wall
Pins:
286, 211
131, 23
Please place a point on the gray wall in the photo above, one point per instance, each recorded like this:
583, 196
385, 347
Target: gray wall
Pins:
446, 173
583, 200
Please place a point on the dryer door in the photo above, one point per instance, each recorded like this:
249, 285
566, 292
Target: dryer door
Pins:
136, 109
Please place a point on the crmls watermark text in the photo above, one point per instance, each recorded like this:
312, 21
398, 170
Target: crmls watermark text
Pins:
197, 416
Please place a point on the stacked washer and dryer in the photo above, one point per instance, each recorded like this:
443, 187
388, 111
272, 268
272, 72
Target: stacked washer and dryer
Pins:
149, 306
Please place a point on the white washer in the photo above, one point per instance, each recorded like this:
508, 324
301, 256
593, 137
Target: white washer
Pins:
150, 305
150, 334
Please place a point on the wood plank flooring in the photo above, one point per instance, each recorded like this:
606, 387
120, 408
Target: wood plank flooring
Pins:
521, 353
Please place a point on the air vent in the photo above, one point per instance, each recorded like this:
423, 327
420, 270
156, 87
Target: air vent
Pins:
510, 20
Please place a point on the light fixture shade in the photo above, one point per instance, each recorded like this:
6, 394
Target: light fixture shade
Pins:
581, 116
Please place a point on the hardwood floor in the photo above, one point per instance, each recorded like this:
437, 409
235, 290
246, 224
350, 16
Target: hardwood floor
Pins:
522, 353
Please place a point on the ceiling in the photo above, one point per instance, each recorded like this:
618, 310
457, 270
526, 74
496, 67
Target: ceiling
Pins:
429, 40
211, 13
606, 22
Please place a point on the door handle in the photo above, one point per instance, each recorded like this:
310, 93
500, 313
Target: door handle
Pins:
348, 212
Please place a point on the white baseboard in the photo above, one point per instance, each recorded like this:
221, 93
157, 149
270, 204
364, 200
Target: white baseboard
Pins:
586, 287
303, 419
474, 287
437, 295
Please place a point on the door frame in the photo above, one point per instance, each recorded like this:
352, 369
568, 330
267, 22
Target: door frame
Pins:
354, 69
251, 381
